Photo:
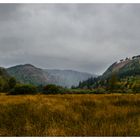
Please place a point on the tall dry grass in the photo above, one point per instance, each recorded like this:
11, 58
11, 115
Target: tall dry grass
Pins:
70, 115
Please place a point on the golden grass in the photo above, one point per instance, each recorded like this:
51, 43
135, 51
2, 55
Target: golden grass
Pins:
70, 115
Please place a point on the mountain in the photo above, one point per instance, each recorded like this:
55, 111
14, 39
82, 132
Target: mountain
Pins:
124, 68
30, 74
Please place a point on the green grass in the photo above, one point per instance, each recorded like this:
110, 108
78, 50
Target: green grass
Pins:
70, 115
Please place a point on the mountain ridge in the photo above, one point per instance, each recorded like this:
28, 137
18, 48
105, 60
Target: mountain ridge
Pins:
30, 74
126, 67
127, 70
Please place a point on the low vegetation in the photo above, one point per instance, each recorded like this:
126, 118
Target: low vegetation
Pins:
70, 115
23, 89
53, 89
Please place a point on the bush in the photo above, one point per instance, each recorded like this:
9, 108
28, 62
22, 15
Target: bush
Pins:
53, 89
12, 82
136, 88
23, 89
99, 91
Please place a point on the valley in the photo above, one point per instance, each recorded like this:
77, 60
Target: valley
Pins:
69, 69
32, 104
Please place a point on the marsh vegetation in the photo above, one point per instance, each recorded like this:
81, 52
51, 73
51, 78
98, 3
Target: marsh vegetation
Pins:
70, 115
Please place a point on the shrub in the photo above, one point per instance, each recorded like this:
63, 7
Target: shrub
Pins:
99, 91
136, 88
12, 82
23, 89
53, 89
40, 88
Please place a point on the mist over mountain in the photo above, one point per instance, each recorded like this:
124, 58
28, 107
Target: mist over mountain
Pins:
68, 77
30, 74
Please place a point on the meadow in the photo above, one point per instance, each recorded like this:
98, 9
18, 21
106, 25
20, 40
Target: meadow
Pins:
70, 115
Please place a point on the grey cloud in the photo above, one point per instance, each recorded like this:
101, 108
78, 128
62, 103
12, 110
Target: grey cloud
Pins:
84, 37
9, 12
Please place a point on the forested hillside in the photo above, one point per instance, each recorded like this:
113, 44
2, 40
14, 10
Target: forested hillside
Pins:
121, 76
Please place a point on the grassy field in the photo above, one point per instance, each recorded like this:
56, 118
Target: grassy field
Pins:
70, 115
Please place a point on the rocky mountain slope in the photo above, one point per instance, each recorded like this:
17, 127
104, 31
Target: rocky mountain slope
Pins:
123, 68
126, 70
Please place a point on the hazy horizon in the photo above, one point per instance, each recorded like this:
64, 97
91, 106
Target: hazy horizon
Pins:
82, 37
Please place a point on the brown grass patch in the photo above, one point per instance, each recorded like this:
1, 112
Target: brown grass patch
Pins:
70, 115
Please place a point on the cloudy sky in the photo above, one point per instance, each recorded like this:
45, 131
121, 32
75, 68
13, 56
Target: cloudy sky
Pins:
83, 37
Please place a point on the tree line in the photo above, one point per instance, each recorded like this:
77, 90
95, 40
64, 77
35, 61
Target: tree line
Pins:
112, 84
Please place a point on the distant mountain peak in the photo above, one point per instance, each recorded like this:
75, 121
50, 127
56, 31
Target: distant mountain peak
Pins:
28, 65
23, 65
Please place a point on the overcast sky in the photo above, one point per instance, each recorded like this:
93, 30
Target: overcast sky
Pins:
83, 37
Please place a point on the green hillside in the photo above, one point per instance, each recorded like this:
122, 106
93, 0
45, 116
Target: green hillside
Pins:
29, 74
121, 76
124, 68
